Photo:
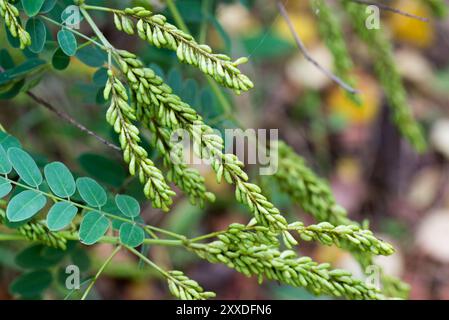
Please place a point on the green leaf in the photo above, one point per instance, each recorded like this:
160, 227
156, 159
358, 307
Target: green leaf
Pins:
60, 60
5, 187
103, 169
91, 192
7, 141
111, 207
100, 77
25, 167
38, 32
6, 61
13, 91
92, 56
131, 235
61, 215
60, 179
25, 205
48, 6
273, 46
80, 258
19, 72
39, 257
32, 7
93, 227
67, 42
5, 165
31, 284
128, 205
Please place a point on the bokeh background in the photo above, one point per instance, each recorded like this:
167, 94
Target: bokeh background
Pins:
372, 171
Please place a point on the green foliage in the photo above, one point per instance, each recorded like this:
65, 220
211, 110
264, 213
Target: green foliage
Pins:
312, 193
61, 215
32, 7
60, 179
38, 33
139, 98
91, 192
25, 205
31, 284
155, 29
256, 253
131, 234
386, 69
67, 42
25, 167
93, 227
128, 205
331, 32
11, 15
28, 203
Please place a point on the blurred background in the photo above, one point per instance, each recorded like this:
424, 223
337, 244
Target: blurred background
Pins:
372, 171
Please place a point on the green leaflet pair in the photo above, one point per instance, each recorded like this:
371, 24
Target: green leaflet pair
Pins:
33, 190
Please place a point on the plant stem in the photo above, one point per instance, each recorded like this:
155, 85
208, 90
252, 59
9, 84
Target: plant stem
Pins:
11, 237
109, 215
149, 262
169, 233
203, 29
95, 29
105, 264
99, 8
106, 239
72, 30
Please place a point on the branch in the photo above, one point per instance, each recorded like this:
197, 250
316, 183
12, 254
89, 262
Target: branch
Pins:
306, 54
391, 9
70, 120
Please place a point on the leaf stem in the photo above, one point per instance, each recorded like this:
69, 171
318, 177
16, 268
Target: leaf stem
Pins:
100, 271
148, 261
72, 30
109, 215
95, 29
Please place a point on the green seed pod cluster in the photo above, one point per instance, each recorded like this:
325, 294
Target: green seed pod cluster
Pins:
208, 145
248, 253
189, 180
328, 234
120, 116
154, 29
386, 70
37, 231
394, 287
330, 30
149, 103
184, 288
154, 99
11, 15
312, 193
315, 197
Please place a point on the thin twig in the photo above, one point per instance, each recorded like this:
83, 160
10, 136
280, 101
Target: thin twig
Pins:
389, 8
70, 120
306, 54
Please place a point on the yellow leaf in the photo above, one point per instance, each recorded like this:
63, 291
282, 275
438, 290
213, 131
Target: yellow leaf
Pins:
340, 103
412, 31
